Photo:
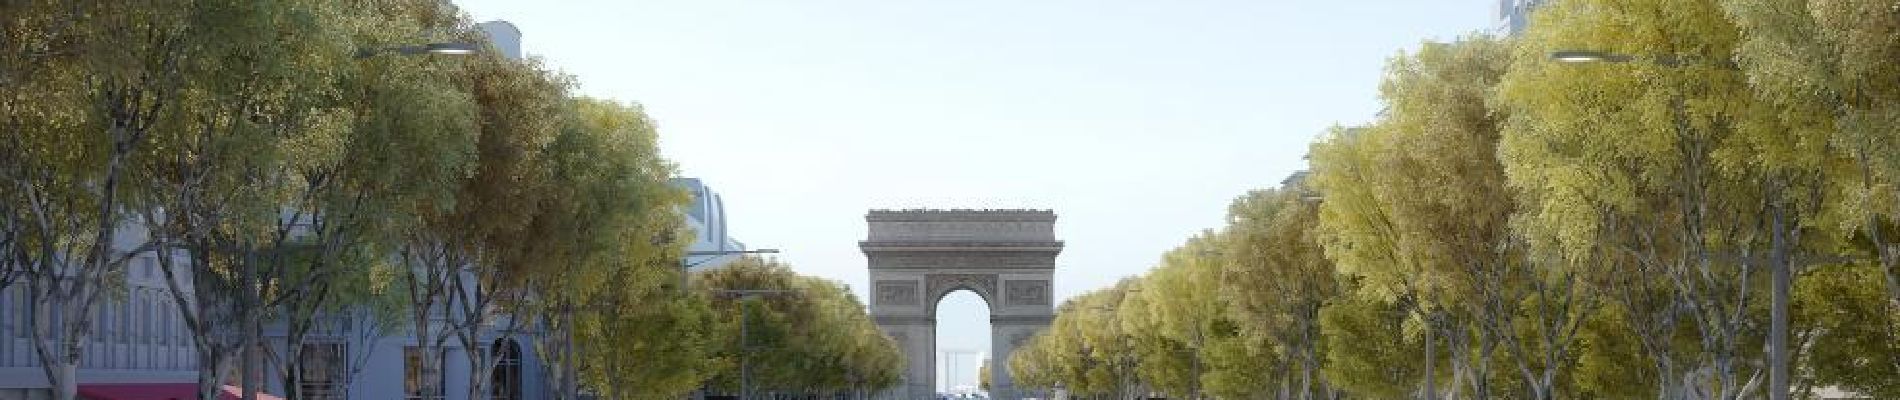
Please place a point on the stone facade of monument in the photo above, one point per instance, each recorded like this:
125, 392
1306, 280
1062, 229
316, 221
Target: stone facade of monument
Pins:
1007, 257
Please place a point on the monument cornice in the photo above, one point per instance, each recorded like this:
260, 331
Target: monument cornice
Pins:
1038, 320
961, 215
932, 245
903, 319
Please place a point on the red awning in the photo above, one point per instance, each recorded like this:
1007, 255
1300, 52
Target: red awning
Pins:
158, 391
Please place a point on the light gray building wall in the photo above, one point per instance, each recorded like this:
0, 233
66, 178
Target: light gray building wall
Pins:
706, 217
139, 338
1514, 15
504, 36
381, 364
137, 334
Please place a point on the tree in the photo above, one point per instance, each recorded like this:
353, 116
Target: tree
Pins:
1176, 308
1361, 237
1855, 347
983, 376
104, 78
1827, 66
1370, 347
502, 224
812, 337
1032, 366
1163, 362
1655, 160
237, 182
1824, 69
1279, 279
602, 224
644, 343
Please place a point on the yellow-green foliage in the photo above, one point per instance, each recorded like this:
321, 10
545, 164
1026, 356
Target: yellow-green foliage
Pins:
814, 337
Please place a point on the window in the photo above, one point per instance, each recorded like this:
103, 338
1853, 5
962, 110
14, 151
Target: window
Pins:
324, 371
165, 322
101, 315
125, 319
184, 330
145, 317
413, 375
7, 305
506, 381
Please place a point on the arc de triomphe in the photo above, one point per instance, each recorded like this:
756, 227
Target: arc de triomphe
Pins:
917, 256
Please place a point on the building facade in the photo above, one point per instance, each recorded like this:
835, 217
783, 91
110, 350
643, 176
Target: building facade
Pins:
1514, 15
138, 337
706, 217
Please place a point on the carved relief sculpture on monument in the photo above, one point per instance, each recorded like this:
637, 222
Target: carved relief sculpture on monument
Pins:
983, 284
896, 293
1026, 293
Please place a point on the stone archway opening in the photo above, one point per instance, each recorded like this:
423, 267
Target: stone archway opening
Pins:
916, 257
963, 340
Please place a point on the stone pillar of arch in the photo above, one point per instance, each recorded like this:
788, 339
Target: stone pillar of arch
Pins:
915, 257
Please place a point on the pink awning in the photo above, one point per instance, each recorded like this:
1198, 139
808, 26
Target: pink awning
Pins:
158, 391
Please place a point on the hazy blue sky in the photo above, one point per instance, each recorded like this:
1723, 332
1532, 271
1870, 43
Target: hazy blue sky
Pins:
1136, 121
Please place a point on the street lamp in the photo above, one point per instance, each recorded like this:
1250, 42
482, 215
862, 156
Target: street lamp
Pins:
714, 253
1588, 56
444, 48
1594, 56
745, 344
686, 268
1122, 381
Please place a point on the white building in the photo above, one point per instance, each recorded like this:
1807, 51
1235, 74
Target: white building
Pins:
706, 216
1514, 15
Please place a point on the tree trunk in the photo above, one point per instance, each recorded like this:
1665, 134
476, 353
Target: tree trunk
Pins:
51, 344
64, 378
253, 366
208, 385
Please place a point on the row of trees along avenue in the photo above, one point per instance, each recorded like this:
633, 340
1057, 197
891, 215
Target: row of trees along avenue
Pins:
268, 158
1708, 214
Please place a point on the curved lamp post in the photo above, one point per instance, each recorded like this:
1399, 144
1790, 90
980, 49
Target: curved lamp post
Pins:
1588, 56
714, 253
1577, 56
686, 275
745, 343
686, 266
445, 48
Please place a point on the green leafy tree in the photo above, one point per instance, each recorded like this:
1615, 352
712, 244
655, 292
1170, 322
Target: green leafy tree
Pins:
1824, 69
1660, 160
606, 211
1854, 346
87, 85
1280, 279
1371, 347
1183, 316
1827, 66
811, 337
1361, 237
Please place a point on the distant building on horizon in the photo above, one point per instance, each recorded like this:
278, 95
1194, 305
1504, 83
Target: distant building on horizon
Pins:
505, 37
706, 216
1514, 15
